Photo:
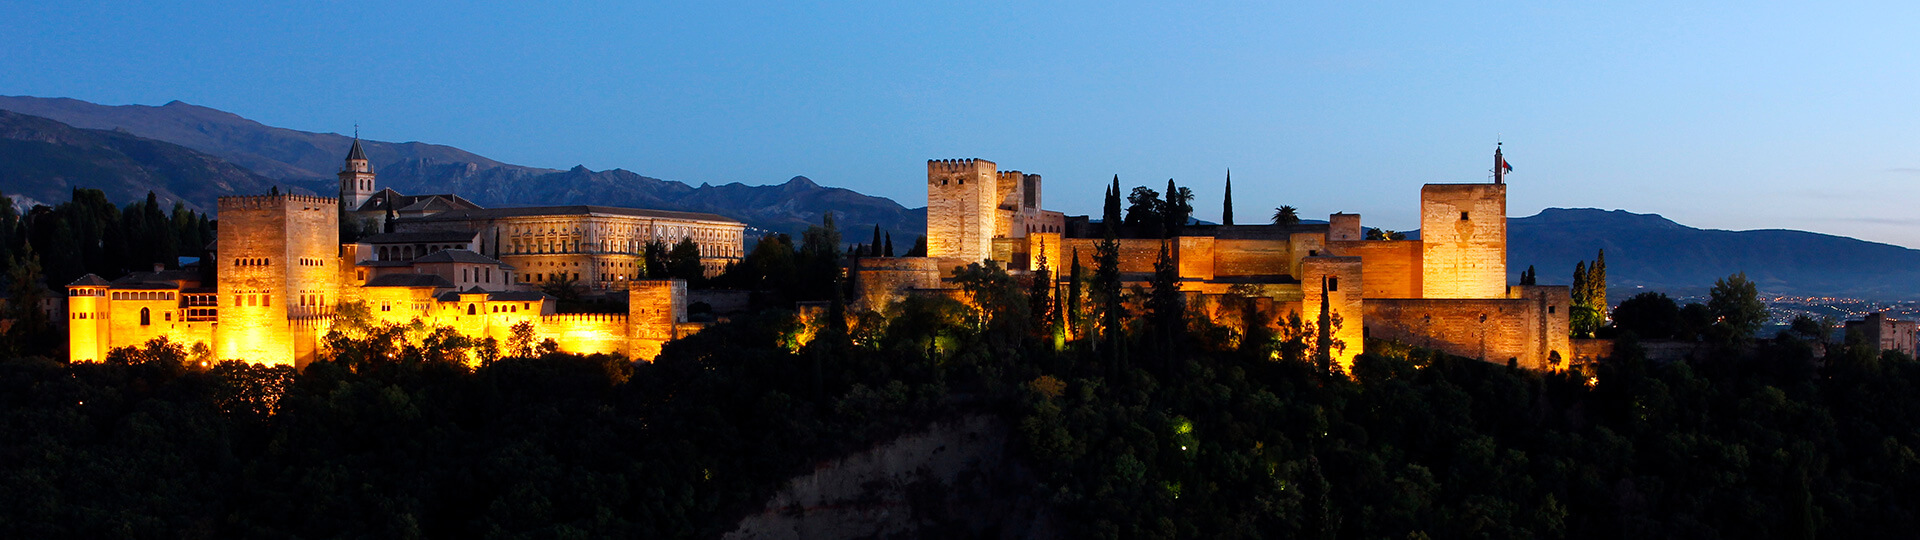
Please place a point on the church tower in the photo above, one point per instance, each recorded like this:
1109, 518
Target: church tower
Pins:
356, 179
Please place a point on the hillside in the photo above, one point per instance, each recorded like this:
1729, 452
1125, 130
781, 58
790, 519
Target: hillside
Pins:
42, 161
310, 159
1647, 250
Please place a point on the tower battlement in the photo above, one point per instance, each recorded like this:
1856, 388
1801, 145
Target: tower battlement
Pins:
257, 202
936, 166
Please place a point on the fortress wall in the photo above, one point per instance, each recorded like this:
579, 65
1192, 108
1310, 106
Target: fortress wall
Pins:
1252, 257
1046, 245
1342, 288
1463, 232
586, 333
1553, 304
1391, 267
1196, 257
654, 307
1493, 330
1301, 245
1137, 255
878, 281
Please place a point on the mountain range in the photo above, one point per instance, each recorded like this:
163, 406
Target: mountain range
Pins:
309, 160
194, 154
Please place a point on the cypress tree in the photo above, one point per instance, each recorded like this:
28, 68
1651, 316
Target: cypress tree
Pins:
1111, 214
873, 249
1597, 284
889, 244
1165, 305
1040, 297
1073, 294
1226, 201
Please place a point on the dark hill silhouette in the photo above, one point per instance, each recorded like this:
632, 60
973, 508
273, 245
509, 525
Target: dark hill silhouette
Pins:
1650, 251
310, 159
43, 161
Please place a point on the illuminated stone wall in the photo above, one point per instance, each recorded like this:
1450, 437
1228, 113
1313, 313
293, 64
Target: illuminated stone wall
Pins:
87, 329
961, 203
273, 249
654, 308
1391, 268
878, 281
1343, 284
1463, 233
1495, 330
1234, 257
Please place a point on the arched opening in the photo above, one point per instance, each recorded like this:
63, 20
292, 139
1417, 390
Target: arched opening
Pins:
470, 310
146, 317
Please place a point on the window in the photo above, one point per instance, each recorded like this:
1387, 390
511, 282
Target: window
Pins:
266, 300
1333, 284
1463, 216
470, 310
1550, 309
146, 317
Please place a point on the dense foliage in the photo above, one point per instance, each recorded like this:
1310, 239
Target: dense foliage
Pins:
1139, 418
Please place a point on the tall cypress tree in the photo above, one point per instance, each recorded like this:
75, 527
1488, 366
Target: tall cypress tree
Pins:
1111, 214
1074, 320
1165, 305
1226, 201
1597, 284
873, 249
1040, 296
889, 251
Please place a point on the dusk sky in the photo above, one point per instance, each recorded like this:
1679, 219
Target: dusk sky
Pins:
1733, 115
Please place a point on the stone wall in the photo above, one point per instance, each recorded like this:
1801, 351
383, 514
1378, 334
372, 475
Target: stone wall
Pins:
1493, 330
1391, 268
1342, 286
961, 208
1463, 233
653, 308
878, 281
268, 244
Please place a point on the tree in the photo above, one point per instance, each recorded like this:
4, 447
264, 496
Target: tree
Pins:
919, 247
1286, 216
889, 244
873, 249
1176, 209
30, 333
1736, 305
1383, 234
1110, 212
1040, 293
1074, 319
1166, 307
520, 340
684, 261
1226, 201
1145, 212
1106, 289
654, 257
1649, 315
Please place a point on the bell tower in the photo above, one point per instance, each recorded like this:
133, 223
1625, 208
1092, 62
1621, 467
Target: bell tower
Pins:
356, 178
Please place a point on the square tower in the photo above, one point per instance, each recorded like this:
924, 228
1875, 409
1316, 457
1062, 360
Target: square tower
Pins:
1463, 233
278, 258
963, 197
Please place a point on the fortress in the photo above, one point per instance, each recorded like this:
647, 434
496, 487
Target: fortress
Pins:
281, 271
443, 261
1446, 291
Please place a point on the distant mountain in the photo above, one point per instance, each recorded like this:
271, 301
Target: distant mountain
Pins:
41, 161
310, 159
1652, 252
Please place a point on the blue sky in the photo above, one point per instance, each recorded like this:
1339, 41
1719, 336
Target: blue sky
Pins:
1726, 115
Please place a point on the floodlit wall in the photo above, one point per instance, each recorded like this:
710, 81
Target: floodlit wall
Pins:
1463, 234
654, 308
1530, 328
1342, 286
1391, 268
272, 250
962, 199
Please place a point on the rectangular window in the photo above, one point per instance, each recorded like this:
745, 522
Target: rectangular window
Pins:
1463, 216
236, 300
1333, 284
252, 300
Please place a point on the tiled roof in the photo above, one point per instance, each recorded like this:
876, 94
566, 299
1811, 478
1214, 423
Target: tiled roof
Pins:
419, 237
410, 280
456, 256
574, 210
89, 280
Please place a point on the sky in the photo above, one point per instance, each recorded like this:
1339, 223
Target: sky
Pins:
1733, 115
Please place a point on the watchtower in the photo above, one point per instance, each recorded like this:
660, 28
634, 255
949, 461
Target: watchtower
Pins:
278, 257
963, 197
1463, 235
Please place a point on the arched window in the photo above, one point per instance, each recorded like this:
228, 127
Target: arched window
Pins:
146, 317
470, 309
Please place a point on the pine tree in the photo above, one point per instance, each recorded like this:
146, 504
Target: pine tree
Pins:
1226, 201
1074, 277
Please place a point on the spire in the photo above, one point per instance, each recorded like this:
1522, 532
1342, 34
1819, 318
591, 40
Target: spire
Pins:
356, 152
1226, 201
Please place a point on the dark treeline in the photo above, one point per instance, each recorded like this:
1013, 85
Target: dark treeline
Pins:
90, 234
1139, 420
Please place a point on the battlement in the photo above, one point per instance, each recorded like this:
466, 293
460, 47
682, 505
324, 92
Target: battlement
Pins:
1012, 176
577, 318
257, 202
937, 166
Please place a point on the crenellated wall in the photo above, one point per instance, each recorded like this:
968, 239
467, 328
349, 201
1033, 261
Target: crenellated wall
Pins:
962, 199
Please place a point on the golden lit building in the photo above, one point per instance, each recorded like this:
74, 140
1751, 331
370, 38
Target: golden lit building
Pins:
1447, 291
281, 273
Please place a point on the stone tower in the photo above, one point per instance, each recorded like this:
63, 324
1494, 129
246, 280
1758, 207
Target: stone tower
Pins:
356, 179
1463, 234
278, 257
963, 198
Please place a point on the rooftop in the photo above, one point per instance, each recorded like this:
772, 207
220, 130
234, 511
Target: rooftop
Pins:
574, 210
410, 280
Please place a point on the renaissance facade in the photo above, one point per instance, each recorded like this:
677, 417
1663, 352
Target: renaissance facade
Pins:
281, 271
